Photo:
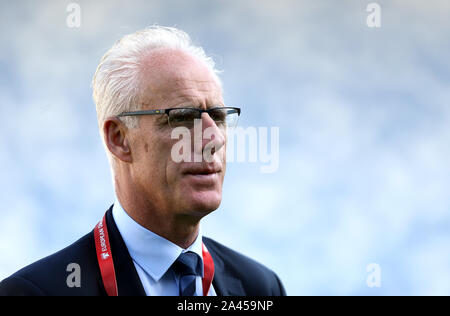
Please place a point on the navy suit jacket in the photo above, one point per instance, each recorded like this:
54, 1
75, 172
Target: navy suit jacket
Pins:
235, 274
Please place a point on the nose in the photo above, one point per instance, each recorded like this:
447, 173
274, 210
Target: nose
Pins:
214, 138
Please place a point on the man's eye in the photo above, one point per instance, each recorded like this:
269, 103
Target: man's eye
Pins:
182, 117
184, 114
218, 115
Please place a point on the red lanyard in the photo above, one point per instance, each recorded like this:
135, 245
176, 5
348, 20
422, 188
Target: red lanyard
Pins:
106, 264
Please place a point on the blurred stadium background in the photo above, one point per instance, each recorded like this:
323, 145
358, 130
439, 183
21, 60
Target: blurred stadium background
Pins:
363, 115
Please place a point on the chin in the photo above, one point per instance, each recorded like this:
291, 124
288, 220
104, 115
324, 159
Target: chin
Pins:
203, 203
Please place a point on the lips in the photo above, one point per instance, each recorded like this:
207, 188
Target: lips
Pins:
202, 169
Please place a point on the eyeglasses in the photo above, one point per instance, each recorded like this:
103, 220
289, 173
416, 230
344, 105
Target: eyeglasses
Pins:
184, 117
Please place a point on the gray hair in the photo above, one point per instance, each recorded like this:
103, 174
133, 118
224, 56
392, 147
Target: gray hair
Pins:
116, 81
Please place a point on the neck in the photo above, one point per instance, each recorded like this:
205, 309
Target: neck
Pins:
180, 229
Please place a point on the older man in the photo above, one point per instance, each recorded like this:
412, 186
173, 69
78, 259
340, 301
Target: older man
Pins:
147, 86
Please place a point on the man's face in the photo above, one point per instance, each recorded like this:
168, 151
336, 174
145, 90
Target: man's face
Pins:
174, 79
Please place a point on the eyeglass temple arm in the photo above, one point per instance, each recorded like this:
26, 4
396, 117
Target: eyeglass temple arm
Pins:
153, 112
147, 112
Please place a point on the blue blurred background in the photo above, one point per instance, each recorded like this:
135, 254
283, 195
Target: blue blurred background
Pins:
363, 116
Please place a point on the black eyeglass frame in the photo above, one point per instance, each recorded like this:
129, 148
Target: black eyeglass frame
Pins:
167, 111
230, 110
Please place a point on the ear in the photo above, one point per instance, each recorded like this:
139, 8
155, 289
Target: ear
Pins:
115, 137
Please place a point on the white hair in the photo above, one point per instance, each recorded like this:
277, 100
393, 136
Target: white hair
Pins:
117, 79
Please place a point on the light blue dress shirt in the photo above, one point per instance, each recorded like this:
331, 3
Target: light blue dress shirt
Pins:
153, 255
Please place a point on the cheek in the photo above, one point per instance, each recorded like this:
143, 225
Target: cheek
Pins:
152, 159
162, 160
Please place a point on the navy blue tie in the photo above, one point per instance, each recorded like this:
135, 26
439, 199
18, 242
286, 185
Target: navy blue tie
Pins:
187, 268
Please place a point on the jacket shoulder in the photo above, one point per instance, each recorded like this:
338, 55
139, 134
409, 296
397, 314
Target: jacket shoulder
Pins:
57, 273
256, 278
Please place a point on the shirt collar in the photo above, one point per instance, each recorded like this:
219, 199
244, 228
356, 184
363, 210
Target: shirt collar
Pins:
152, 252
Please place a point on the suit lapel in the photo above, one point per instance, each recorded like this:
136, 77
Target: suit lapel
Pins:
128, 282
227, 286
224, 283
